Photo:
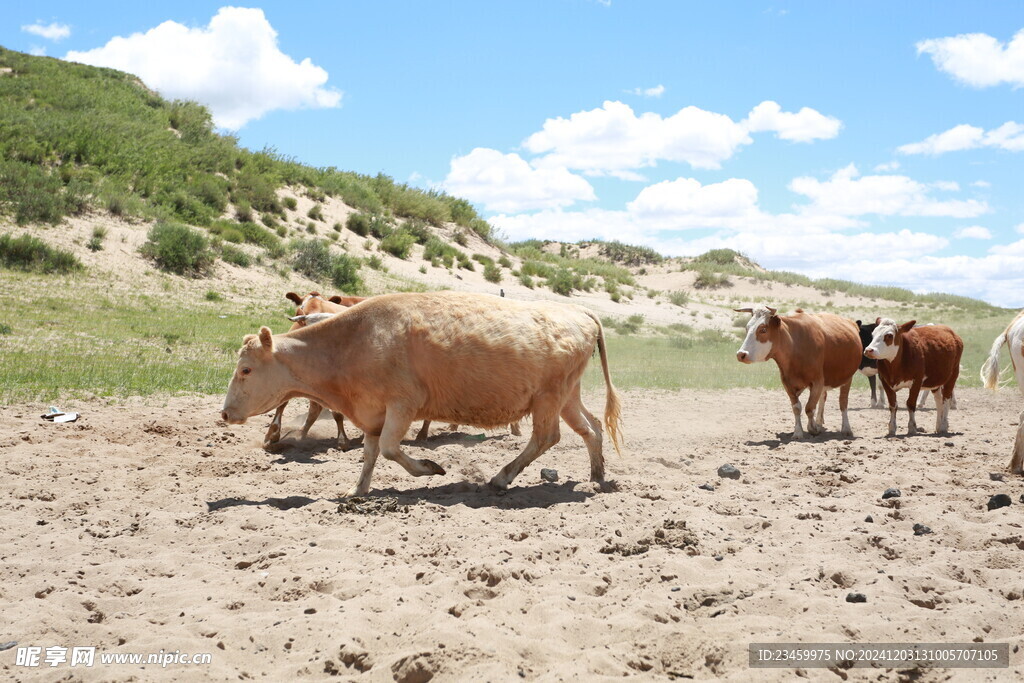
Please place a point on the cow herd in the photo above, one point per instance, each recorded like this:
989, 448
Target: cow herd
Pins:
476, 359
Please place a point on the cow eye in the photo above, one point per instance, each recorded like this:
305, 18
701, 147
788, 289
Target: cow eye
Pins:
888, 339
246, 371
762, 329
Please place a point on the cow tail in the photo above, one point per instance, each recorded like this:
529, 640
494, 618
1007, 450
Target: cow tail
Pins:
990, 370
612, 405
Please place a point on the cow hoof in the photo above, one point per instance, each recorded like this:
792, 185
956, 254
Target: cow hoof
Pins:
433, 467
355, 492
498, 484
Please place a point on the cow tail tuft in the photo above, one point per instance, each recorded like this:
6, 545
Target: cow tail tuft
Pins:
990, 370
612, 405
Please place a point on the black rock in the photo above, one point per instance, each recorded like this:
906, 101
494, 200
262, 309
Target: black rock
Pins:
718, 558
996, 476
921, 530
8, 646
706, 487
856, 597
869, 519
728, 471
891, 493
1000, 500
549, 475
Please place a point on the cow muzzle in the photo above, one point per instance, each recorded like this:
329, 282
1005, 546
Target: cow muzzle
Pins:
230, 419
743, 357
870, 353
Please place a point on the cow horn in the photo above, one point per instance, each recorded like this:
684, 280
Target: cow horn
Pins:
744, 310
297, 318
771, 310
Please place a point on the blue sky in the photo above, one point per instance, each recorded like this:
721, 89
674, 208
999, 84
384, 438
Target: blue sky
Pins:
874, 141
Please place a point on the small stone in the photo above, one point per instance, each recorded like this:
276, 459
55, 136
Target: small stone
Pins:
950, 443
549, 475
718, 558
921, 530
727, 471
996, 476
891, 493
856, 597
869, 519
1000, 500
309, 610
8, 646
706, 487
676, 589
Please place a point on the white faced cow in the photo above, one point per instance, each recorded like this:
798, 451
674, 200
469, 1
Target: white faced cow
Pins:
1013, 337
915, 358
815, 352
467, 358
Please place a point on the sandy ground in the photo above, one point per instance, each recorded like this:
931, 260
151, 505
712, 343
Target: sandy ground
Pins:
147, 527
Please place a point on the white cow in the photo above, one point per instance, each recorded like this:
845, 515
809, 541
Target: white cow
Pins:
1013, 337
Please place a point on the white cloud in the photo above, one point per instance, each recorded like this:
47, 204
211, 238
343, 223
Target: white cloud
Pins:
805, 125
37, 50
1020, 228
656, 91
506, 183
981, 183
888, 166
946, 185
614, 140
1009, 136
233, 65
846, 193
684, 202
53, 31
978, 59
976, 232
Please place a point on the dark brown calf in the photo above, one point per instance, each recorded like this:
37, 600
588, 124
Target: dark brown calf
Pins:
916, 358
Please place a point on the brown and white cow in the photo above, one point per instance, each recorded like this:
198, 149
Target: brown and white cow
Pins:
813, 351
915, 358
1013, 337
467, 358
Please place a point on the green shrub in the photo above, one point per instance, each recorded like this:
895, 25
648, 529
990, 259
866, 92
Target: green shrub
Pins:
32, 254
375, 262
505, 262
95, 243
464, 262
316, 213
437, 250
679, 298
562, 282
178, 249
418, 229
460, 238
707, 279
526, 280
268, 220
235, 256
290, 203
336, 227
345, 274
380, 226
492, 273
398, 243
722, 257
5, 329
359, 223
243, 211
312, 258
482, 259
213, 296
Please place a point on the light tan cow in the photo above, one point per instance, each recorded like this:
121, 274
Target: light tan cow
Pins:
467, 358
1013, 337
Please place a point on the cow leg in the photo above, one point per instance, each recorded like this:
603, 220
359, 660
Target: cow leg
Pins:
915, 389
424, 431
595, 423
343, 441
890, 395
396, 424
371, 447
952, 402
1017, 461
876, 397
514, 428
844, 403
814, 395
941, 411
545, 435
314, 412
794, 399
574, 416
820, 419
924, 399
274, 431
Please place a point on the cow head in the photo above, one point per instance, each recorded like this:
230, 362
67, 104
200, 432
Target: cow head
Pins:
260, 382
761, 331
866, 333
887, 338
310, 318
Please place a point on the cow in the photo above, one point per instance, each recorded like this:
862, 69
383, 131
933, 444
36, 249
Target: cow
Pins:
313, 304
467, 358
815, 352
869, 367
1013, 337
926, 357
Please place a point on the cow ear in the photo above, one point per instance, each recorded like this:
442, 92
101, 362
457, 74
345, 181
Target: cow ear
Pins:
292, 296
878, 320
775, 321
858, 323
336, 299
267, 339
907, 326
